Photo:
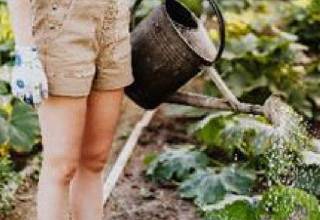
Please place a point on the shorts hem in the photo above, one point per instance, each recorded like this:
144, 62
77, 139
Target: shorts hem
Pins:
112, 84
72, 87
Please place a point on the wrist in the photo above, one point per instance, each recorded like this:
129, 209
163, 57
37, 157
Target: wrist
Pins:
25, 49
25, 53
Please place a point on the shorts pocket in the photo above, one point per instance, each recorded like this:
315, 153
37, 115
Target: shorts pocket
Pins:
49, 17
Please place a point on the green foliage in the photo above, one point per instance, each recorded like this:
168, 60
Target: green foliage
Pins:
307, 177
264, 65
145, 8
7, 175
275, 149
176, 164
304, 22
239, 210
235, 5
250, 135
209, 130
211, 186
282, 203
4, 88
278, 203
19, 126
279, 164
265, 55
6, 36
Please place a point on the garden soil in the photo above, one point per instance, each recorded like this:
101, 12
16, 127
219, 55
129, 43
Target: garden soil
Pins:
134, 197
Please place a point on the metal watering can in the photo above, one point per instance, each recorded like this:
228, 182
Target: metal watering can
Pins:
169, 48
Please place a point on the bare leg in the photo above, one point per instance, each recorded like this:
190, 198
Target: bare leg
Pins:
62, 121
102, 117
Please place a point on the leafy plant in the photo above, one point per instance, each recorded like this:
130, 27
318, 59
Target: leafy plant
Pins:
176, 164
235, 5
19, 126
239, 210
248, 134
303, 21
261, 58
279, 165
211, 186
4, 88
7, 175
278, 203
283, 203
307, 177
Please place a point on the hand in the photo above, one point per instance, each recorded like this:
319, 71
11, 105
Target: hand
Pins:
29, 82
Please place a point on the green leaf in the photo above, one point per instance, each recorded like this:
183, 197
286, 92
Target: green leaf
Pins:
239, 210
237, 180
21, 129
209, 186
205, 187
176, 164
208, 130
248, 134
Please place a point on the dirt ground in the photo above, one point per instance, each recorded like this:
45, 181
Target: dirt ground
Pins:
134, 197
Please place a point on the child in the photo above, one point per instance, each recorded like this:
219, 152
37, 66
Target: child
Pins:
73, 60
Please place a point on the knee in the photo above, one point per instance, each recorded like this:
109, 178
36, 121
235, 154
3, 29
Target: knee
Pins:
61, 169
94, 161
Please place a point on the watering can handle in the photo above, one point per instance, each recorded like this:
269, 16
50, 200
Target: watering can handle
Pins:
222, 29
221, 22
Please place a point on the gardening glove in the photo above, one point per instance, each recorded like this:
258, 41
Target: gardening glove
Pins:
28, 81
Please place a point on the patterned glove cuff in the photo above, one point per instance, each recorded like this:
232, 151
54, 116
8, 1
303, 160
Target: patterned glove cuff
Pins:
25, 49
24, 54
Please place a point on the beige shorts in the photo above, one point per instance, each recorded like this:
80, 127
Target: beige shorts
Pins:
83, 44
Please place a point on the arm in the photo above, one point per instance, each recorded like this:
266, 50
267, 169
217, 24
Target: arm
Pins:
28, 80
21, 19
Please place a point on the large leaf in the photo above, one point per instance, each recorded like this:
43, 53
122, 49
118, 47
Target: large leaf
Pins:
209, 186
21, 128
209, 129
176, 164
250, 135
205, 187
